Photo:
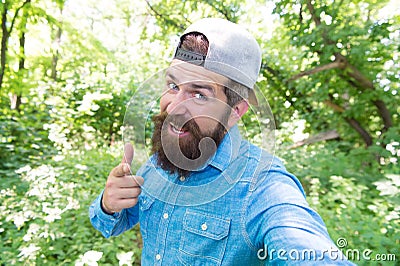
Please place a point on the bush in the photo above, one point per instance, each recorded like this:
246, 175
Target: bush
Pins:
358, 201
44, 221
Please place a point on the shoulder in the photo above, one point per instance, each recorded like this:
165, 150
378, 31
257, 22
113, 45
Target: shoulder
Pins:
267, 170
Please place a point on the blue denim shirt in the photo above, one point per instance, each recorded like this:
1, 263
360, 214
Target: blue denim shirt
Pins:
261, 218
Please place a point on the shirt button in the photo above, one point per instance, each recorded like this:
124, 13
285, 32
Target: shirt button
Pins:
182, 178
165, 215
204, 227
158, 257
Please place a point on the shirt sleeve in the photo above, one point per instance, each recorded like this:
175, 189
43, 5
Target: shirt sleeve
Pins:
114, 224
283, 227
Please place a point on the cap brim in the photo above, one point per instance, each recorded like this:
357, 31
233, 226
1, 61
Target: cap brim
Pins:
253, 98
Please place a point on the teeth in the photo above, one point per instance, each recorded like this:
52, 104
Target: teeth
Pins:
177, 131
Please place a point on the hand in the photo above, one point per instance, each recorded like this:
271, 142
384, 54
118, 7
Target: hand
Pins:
122, 189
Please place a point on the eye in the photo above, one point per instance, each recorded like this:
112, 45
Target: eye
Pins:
172, 86
200, 96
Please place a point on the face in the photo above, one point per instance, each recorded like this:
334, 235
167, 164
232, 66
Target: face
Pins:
194, 117
195, 93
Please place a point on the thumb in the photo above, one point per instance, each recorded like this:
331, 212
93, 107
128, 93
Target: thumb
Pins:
128, 154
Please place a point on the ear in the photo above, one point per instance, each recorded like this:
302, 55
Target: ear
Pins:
237, 112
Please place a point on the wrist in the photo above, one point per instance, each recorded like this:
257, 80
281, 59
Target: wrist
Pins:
105, 209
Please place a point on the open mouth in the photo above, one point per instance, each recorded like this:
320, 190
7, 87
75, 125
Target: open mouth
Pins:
177, 130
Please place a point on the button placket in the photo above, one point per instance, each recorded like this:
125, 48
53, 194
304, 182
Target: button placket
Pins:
162, 233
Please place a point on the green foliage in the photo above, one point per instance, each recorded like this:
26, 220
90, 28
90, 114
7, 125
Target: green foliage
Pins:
44, 216
356, 200
62, 114
316, 35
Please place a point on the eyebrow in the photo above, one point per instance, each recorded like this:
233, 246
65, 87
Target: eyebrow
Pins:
169, 75
198, 86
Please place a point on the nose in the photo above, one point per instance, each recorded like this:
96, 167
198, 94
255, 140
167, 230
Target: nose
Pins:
178, 104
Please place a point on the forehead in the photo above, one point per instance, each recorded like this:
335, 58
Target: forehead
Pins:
185, 72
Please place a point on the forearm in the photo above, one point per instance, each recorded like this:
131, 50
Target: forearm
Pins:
283, 226
299, 242
114, 224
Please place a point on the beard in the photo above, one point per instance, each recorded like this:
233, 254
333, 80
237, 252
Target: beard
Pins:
181, 155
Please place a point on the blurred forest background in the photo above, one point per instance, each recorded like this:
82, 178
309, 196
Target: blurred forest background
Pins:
68, 68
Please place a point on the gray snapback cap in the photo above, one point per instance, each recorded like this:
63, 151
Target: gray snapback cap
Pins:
233, 52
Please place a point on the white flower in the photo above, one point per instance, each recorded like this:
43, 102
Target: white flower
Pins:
125, 258
390, 187
87, 103
58, 158
81, 167
33, 230
87, 128
26, 168
53, 214
73, 204
90, 258
29, 252
19, 219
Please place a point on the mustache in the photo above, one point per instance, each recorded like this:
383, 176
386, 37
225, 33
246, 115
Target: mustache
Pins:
179, 121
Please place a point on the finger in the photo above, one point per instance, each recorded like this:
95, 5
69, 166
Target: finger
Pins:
127, 203
139, 181
120, 170
128, 154
128, 193
126, 181
130, 181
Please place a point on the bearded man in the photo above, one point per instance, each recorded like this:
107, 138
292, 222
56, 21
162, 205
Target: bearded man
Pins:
206, 196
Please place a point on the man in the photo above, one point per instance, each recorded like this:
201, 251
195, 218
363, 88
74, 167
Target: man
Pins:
206, 196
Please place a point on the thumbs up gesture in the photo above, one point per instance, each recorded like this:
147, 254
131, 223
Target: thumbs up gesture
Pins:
122, 189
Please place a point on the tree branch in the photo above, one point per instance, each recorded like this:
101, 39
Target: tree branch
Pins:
16, 15
353, 123
316, 19
336, 64
384, 113
221, 11
355, 73
334, 106
328, 135
163, 17
363, 82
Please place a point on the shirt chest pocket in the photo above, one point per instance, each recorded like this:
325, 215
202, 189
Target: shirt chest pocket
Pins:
204, 238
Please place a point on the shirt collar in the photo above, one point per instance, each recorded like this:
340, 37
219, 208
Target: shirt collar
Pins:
227, 151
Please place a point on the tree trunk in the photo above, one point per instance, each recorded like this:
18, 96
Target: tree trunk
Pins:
5, 35
4, 39
54, 61
16, 97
